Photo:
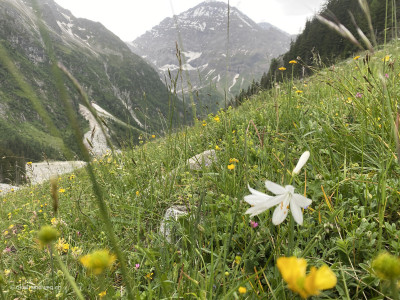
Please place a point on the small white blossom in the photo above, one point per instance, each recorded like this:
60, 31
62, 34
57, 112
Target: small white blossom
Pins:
284, 197
302, 161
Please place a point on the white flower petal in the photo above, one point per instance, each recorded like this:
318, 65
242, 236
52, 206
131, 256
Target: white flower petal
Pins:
263, 205
255, 192
301, 200
302, 161
255, 210
256, 200
275, 188
281, 211
296, 212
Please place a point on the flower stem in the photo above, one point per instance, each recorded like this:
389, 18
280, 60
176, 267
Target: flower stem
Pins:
1, 293
291, 237
52, 266
395, 291
69, 278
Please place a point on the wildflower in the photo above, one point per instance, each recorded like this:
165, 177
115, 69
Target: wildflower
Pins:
282, 69
137, 266
231, 167
293, 62
386, 58
47, 234
253, 224
76, 251
149, 276
61, 190
62, 246
226, 273
98, 261
387, 75
359, 95
356, 57
242, 290
217, 148
285, 196
102, 294
216, 119
233, 160
293, 271
386, 266
7, 272
5, 232
153, 136
204, 124
29, 163
303, 159
137, 193
298, 92
72, 177
238, 259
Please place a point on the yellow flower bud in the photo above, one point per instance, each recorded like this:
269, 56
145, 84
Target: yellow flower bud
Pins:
386, 266
47, 234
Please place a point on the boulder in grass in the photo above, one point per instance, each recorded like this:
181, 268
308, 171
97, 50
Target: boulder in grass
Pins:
168, 223
201, 160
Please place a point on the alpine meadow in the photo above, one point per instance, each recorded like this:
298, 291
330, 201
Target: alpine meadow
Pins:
280, 181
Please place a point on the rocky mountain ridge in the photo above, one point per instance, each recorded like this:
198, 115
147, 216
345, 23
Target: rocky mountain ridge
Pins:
216, 62
114, 78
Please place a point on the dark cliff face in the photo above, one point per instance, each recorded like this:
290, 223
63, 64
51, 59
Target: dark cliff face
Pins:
203, 31
114, 77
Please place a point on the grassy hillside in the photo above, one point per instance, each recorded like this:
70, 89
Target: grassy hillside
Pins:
345, 116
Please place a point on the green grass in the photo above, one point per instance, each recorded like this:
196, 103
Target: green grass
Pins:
352, 177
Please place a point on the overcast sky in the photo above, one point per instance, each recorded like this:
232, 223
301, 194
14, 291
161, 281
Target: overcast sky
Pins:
131, 18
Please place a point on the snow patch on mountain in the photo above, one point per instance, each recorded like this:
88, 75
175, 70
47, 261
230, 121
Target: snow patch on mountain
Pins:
234, 81
191, 55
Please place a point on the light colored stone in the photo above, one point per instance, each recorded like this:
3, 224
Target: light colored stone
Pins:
6, 188
42, 171
172, 214
201, 160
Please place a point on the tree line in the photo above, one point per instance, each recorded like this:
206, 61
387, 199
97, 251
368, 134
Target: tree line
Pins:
318, 45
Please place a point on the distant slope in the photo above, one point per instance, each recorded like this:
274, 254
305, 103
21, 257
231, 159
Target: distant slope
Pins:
203, 32
121, 82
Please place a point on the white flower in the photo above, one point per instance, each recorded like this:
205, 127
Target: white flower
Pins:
302, 161
285, 197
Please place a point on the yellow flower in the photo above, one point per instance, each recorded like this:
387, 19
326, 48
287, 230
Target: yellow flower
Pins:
217, 148
137, 193
149, 276
7, 272
11, 226
216, 119
61, 190
293, 62
204, 124
72, 177
282, 69
293, 271
242, 290
29, 163
76, 251
233, 160
299, 92
356, 57
62, 246
98, 261
386, 58
102, 294
153, 136
231, 166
